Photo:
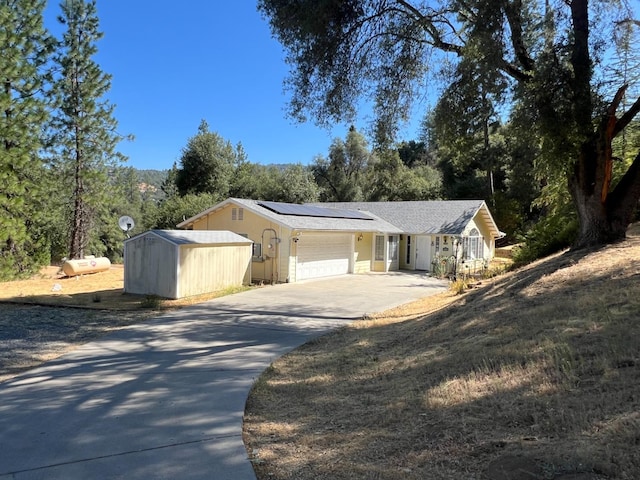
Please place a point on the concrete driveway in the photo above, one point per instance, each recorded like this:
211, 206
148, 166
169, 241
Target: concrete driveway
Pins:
165, 398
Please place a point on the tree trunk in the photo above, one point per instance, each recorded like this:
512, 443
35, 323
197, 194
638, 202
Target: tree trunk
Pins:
78, 228
603, 214
603, 222
596, 225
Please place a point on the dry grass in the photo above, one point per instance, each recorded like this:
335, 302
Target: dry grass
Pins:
541, 365
102, 291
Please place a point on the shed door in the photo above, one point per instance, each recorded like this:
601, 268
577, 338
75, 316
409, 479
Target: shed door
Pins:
323, 255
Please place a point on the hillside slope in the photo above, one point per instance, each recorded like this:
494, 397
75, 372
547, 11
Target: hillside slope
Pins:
534, 375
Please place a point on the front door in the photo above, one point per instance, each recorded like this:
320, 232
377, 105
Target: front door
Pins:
393, 262
423, 252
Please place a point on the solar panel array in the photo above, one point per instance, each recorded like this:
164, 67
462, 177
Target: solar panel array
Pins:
312, 211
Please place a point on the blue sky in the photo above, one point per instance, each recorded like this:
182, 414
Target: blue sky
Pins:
176, 63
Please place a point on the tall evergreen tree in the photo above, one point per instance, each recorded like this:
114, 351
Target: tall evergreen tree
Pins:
24, 50
85, 128
207, 164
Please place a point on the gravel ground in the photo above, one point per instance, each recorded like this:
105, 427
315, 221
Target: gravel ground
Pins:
31, 335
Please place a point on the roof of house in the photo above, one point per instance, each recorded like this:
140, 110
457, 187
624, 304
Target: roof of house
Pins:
313, 220
447, 217
198, 237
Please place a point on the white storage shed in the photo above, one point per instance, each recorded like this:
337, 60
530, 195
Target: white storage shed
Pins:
178, 263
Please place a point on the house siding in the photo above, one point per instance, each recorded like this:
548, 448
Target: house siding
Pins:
212, 268
273, 265
489, 243
363, 253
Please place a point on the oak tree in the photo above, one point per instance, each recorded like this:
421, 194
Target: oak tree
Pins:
550, 54
207, 163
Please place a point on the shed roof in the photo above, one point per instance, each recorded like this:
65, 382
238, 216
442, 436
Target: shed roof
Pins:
448, 217
364, 223
198, 237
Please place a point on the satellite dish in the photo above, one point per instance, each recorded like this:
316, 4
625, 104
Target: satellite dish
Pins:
126, 223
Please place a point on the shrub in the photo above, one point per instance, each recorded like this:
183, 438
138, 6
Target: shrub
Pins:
459, 285
548, 236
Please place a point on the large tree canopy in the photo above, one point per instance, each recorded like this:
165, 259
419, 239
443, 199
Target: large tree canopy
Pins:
550, 56
207, 163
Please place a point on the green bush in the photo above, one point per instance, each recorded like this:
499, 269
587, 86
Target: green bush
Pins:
551, 234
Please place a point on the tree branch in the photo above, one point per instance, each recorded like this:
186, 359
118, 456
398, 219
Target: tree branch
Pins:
427, 23
512, 12
627, 117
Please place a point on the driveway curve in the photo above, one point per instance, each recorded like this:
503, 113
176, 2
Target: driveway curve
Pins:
164, 399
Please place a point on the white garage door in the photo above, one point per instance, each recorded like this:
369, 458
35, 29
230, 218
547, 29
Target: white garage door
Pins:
323, 255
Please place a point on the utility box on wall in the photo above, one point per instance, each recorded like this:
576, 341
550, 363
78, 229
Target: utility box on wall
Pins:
182, 263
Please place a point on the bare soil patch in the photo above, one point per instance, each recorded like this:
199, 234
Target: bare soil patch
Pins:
531, 375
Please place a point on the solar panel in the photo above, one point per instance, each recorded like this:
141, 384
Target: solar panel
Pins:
312, 211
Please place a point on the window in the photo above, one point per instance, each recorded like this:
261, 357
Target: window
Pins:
379, 248
408, 249
393, 247
437, 244
473, 245
237, 213
256, 248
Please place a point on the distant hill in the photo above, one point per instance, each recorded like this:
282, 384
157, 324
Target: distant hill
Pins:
152, 177
150, 182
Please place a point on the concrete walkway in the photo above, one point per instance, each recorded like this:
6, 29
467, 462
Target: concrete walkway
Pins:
164, 399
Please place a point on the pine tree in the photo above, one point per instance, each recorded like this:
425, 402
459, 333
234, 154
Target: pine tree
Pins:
85, 128
24, 50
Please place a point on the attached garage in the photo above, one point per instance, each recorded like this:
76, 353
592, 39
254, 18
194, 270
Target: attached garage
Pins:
323, 255
297, 242
176, 263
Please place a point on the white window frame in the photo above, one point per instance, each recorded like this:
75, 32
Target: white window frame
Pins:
379, 248
473, 245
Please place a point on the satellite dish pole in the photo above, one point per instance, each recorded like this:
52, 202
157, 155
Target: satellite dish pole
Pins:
126, 223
